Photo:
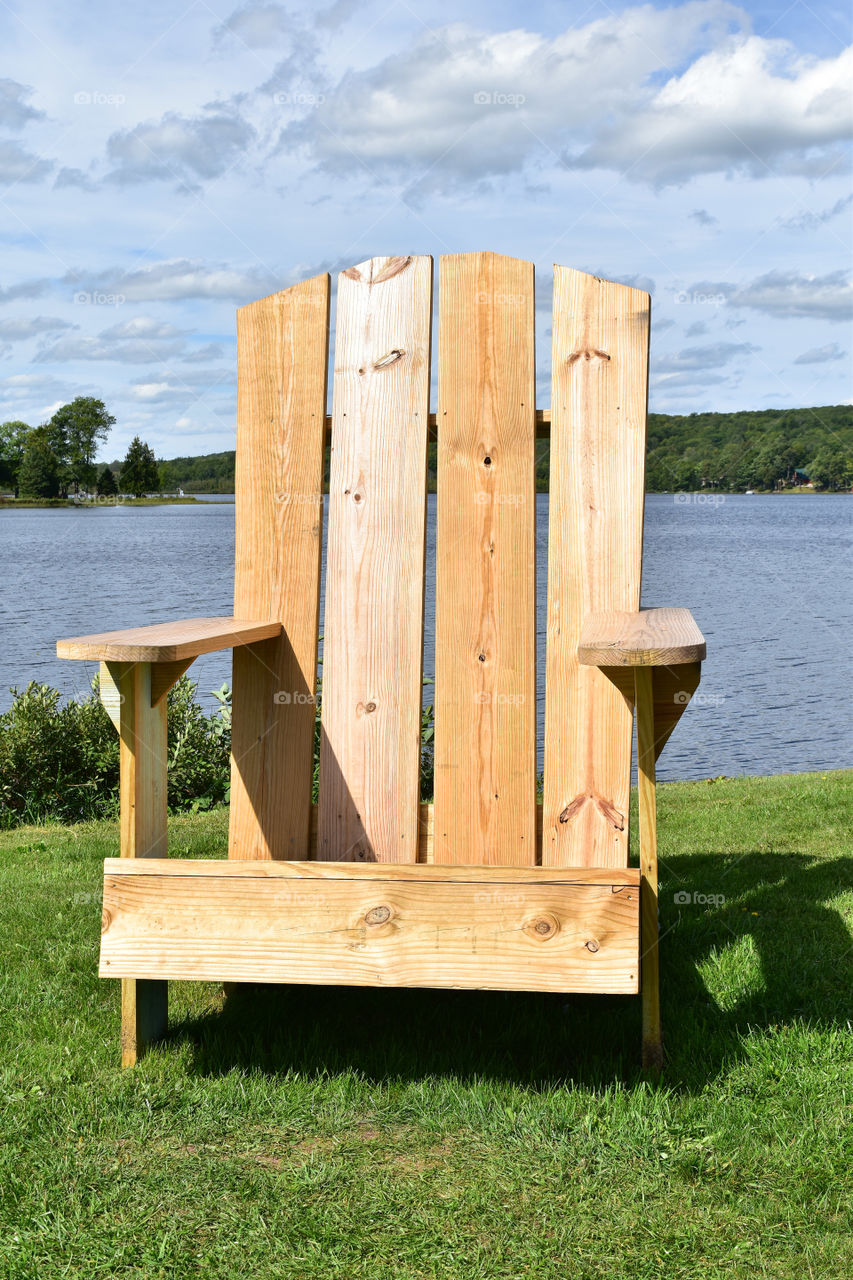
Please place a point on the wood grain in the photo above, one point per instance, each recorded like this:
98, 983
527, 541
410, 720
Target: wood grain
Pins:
598, 434
110, 695
373, 630
543, 425
526, 935
485, 646
166, 641
652, 1047
673, 687
143, 757
379, 872
282, 356
648, 638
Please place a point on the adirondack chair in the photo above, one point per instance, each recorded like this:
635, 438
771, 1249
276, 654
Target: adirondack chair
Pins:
482, 888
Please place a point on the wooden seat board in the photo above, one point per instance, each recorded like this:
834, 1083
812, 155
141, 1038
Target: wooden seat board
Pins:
400, 930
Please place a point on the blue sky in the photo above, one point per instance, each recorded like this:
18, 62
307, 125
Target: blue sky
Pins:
162, 164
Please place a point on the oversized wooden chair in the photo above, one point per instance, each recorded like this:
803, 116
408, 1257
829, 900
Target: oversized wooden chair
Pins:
483, 888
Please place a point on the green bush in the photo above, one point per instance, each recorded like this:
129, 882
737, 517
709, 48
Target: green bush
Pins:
56, 761
60, 761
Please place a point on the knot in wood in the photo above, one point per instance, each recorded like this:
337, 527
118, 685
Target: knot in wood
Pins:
378, 915
370, 706
592, 946
391, 358
542, 927
106, 920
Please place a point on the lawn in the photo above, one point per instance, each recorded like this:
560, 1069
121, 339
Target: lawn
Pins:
357, 1134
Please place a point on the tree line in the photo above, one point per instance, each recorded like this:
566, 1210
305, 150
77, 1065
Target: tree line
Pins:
765, 450
57, 458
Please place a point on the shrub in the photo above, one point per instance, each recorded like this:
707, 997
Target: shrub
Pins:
61, 761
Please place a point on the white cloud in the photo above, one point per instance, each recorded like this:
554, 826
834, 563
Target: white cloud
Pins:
71, 349
788, 294
33, 393
203, 355
24, 289
30, 327
463, 105
18, 165
15, 111
140, 340
821, 355
177, 279
710, 357
74, 178
754, 104
258, 25
466, 104
808, 220
143, 327
178, 148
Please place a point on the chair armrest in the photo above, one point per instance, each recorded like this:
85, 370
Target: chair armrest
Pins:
168, 641
649, 638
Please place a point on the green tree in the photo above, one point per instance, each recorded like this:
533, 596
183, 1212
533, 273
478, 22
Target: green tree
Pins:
166, 477
139, 469
13, 439
107, 486
38, 476
82, 425
831, 469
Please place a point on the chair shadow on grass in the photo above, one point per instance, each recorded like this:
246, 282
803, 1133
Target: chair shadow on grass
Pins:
793, 956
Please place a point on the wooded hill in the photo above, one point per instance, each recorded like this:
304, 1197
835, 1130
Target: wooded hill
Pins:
751, 449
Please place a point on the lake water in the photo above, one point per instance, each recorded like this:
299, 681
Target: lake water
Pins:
767, 579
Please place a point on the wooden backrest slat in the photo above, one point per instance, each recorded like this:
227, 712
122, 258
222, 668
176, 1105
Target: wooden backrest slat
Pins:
598, 437
282, 346
485, 649
373, 631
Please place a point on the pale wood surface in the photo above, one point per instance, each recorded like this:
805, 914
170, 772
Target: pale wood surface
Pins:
109, 694
673, 687
372, 931
381, 872
164, 675
648, 638
426, 833
598, 434
373, 630
649, 962
543, 425
485, 645
282, 352
143, 757
166, 641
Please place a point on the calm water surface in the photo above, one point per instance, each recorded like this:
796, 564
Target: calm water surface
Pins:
768, 580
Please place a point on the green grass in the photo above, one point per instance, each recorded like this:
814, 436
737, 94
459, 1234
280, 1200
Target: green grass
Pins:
359, 1134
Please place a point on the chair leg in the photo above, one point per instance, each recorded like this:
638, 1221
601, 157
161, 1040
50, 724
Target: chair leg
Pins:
649, 971
144, 1016
143, 740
